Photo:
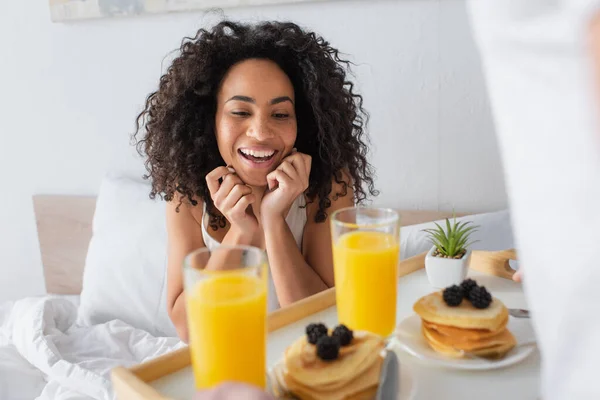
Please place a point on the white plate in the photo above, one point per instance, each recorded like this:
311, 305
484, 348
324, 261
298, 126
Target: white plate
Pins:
410, 339
407, 384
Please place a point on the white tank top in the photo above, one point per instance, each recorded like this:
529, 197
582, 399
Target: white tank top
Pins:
296, 220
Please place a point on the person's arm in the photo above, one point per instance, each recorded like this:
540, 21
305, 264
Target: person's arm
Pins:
184, 236
184, 231
297, 275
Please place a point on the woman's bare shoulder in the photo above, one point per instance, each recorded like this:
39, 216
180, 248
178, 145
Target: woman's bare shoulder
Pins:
341, 193
181, 208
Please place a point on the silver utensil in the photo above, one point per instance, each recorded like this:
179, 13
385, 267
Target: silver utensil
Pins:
518, 312
389, 377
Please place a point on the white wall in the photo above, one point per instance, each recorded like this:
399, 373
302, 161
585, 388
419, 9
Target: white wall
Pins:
70, 93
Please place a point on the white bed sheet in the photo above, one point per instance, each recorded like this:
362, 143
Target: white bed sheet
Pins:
45, 355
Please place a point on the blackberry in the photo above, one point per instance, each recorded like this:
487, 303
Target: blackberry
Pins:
467, 285
480, 297
453, 295
344, 334
328, 347
315, 331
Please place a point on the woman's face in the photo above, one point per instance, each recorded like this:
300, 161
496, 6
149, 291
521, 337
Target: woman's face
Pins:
255, 121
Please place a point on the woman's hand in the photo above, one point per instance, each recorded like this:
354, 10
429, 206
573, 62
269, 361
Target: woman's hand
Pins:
233, 199
285, 184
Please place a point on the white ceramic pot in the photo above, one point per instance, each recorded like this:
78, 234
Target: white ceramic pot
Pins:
444, 272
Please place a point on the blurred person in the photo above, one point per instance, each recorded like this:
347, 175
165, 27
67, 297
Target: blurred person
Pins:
541, 62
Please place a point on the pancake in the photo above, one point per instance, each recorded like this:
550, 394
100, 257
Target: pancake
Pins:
492, 348
367, 394
500, 338
465, 334
433, 309
359, 387
308, 370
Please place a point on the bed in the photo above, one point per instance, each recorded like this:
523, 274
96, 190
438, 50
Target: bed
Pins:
63, 345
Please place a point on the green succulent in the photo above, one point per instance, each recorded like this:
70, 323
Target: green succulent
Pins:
454, 240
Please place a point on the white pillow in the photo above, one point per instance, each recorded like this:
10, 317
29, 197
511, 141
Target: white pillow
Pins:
494, 233
125, 269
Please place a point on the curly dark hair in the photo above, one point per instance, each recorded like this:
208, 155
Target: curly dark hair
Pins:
179, 137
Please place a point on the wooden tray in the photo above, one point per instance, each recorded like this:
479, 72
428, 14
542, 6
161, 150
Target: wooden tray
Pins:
133, 383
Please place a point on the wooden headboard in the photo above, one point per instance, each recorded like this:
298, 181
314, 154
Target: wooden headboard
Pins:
64, 225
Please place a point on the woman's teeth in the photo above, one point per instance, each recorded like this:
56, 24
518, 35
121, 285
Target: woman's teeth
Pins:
257, 155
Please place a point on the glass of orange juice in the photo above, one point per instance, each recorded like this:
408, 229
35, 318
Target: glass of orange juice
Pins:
226, 299
366, 249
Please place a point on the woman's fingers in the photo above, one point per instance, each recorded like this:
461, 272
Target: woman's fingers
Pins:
235, 194
307, 163
278, 178
291, 170
231, 191
302, 162
239, 209
229, 181
212, 179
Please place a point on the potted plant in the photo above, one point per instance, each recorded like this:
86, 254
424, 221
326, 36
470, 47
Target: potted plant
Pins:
447, 262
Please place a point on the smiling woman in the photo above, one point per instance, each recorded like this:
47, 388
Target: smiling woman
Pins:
254, 137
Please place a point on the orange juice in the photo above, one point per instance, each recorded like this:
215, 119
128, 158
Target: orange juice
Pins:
227, 326
366, 280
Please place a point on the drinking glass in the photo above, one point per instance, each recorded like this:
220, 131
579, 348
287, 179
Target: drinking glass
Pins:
226, 299
366, 250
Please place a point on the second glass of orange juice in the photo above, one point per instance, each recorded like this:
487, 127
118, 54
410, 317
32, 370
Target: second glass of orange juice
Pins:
366, 250
226, 299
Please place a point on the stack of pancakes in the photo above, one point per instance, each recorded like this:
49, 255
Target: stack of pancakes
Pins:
453, 330
353, 375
